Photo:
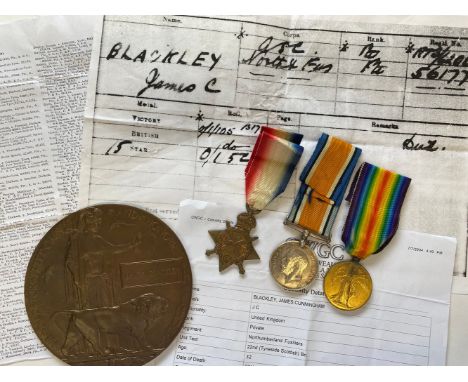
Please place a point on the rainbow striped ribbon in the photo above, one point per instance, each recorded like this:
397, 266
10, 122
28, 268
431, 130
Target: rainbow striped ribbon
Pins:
324, 180
376, 197
274, 157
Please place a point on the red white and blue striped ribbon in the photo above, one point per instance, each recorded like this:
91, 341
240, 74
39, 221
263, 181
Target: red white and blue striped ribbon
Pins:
274, 157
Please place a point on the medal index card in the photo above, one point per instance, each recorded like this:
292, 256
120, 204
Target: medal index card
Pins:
175, 105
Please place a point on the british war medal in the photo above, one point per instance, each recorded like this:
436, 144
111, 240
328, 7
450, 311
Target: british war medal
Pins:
323, 183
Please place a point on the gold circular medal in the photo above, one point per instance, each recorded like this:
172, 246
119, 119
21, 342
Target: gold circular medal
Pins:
293, 265
347, 285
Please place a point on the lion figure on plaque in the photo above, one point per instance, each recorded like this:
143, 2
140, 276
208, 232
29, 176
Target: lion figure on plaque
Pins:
112, 329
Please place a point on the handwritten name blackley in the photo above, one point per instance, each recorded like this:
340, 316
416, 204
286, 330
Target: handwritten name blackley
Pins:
154, 78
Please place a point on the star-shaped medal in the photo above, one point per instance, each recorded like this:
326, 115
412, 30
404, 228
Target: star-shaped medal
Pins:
233, 245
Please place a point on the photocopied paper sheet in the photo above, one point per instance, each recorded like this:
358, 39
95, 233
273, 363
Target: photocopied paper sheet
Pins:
43, 78
251, 320
175, 105
173, 109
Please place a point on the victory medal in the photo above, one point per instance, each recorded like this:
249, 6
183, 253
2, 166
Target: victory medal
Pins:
274, 157
376, 197
293, 264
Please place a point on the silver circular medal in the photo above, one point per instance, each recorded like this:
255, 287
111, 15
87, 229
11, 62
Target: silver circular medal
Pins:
293, 264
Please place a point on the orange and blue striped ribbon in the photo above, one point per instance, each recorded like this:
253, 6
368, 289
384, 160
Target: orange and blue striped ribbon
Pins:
274, 157
376, 196
324, 180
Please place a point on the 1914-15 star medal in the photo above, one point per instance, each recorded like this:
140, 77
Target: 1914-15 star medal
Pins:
233, 245
274, 156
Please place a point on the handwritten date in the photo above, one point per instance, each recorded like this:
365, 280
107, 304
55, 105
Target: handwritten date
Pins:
228, 153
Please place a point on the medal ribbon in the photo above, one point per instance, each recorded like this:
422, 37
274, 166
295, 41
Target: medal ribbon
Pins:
324, 180
376, 197
274, 157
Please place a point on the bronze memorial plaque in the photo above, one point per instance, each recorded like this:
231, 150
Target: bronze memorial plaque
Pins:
108, 285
